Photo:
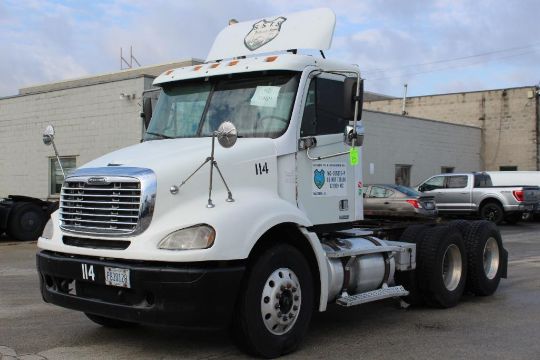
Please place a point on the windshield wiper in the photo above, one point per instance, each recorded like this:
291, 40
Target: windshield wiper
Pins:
160, 135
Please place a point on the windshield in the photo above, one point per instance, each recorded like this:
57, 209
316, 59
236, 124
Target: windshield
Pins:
259, 105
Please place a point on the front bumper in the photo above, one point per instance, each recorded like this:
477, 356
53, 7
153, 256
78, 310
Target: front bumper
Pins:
199, 295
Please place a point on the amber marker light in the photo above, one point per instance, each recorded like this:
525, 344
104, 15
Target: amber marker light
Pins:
213, 66
232, 63
197, 67
270, 58
169, 72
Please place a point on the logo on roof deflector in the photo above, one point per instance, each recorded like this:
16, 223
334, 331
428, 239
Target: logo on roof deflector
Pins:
263, 32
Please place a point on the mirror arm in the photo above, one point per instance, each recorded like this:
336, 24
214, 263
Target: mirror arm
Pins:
58, 159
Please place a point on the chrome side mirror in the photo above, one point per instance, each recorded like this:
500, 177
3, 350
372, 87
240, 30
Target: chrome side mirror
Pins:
48, 139
48, 135
349, 135
227, 134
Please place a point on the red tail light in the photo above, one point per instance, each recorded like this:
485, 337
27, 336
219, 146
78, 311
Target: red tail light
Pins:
414, 203
518, 194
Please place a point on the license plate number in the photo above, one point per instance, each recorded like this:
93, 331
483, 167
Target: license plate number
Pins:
429, 206
117, 277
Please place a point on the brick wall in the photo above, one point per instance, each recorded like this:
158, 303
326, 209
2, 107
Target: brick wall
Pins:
426, 145
508, 118
89, 121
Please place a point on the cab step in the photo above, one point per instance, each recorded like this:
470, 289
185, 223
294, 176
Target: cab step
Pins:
374, 295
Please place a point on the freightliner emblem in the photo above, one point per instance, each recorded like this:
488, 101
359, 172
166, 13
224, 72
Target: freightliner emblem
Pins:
98, 181
263, 32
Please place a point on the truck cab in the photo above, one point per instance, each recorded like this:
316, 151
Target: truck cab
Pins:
241, 205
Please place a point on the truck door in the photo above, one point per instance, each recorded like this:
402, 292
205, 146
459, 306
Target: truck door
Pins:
457, 193
327, 190
434, 187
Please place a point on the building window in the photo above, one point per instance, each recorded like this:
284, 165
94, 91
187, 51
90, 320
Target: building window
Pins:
508, 168
403, 175
68, 163
447, 169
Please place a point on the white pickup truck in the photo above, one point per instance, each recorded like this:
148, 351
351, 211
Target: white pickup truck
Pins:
260, 230
474, 194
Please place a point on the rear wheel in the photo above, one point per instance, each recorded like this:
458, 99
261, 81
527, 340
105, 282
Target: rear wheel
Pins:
410, 280
493, 212
276, 305
443, 266
485, 254
108, 322
26, 221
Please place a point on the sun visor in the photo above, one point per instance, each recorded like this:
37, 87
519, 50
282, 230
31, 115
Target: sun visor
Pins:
312, 29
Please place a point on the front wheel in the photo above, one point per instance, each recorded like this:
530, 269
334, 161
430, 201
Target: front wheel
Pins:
276, 305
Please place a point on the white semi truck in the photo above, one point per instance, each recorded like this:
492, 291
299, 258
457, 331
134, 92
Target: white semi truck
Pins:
260, 230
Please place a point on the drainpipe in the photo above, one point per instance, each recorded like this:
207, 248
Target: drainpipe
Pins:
537, 103
403, 112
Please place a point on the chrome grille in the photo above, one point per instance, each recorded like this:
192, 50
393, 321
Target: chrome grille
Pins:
108, 203
112, 207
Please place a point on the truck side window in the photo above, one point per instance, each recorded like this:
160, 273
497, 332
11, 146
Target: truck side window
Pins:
322, 110
482, 180
456, 182
434, 183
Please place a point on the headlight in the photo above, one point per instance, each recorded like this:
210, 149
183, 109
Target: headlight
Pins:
196, 237
48, 230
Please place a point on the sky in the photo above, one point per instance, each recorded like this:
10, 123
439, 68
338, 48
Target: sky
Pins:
436, 46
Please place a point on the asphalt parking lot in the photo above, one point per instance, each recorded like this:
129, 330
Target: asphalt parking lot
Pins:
503, 326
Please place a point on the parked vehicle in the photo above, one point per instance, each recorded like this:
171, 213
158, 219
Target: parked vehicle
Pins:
397, 201
23, 217
474, 194
257, 231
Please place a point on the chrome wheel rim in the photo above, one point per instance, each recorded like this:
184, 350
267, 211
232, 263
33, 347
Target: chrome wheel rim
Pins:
452, 267
491, 258
281, 301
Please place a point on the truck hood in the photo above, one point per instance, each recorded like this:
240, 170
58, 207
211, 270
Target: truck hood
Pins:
184, 154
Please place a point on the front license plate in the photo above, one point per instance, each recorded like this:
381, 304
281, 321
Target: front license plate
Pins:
117, 277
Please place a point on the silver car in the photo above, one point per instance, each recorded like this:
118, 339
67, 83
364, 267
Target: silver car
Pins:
397, 200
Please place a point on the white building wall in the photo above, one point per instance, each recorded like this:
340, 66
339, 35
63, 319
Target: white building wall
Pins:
89, 121
424, 144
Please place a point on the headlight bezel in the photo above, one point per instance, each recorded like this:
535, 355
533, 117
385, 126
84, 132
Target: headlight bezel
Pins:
48, 230
196, 237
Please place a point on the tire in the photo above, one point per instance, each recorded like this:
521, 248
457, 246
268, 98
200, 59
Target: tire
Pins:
485, 257
513, 218
258, 328
464, 226
411, 280
26, 221
110, 323
492, 211
442, 262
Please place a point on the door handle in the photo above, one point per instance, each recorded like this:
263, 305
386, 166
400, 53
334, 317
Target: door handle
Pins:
386, 203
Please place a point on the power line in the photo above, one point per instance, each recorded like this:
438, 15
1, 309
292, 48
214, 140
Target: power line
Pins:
449, 67
534, 45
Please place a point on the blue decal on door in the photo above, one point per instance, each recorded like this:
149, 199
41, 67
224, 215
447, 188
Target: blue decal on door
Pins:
318, 178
